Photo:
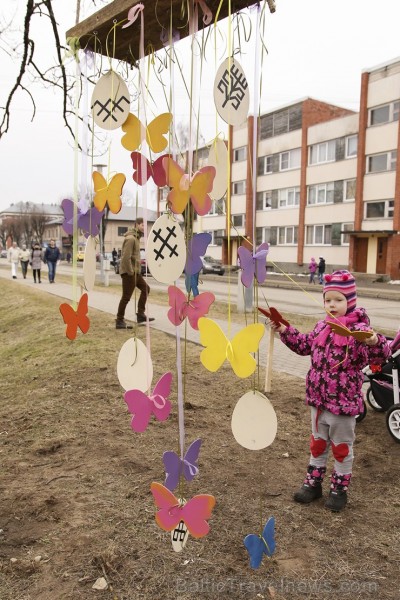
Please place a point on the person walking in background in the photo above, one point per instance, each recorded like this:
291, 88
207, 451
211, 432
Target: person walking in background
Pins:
333, 385
68, 257
312, 267
36, 261
129, 269
321, 269
51, 257
192, 284
24, 256
114, 255
13, 258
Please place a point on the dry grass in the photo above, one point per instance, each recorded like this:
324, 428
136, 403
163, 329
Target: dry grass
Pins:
75, 479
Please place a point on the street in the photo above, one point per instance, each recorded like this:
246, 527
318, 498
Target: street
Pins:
384, 314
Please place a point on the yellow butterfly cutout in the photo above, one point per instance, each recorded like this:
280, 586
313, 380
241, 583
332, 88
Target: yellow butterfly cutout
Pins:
136, 132
108, 193
361, 336
218, 348
183, 187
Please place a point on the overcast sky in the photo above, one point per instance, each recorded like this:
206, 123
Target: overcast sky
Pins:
316, 48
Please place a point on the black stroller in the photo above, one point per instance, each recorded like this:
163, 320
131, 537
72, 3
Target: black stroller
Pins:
383, 393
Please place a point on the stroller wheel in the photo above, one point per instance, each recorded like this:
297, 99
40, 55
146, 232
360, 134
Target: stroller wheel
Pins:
362, 414
393, 421
372, 402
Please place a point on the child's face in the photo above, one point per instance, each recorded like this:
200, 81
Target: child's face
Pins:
335, 303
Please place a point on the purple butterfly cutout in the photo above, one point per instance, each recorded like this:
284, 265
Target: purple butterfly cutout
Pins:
89, 222
175, 466
253, 264
197, 247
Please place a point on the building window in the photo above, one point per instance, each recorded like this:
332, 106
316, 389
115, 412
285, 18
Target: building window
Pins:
238, 220
290, 160
238, 187
350, 189
287, 235
289, 197
377, 163
379, 210
267, 200
217, 208
122, 231
266, 234
268, 165
346, 236
321, 194
216, 237
318, 235
384, 114
351, 146
323, 152
240, 154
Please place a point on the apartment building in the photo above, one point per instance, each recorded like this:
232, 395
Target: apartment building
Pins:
325, 182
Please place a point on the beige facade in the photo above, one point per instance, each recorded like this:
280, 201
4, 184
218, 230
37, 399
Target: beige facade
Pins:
327, 183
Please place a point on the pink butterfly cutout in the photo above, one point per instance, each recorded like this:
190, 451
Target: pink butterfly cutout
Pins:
194, 513
193, 309
142, 406
253, 264
154, 170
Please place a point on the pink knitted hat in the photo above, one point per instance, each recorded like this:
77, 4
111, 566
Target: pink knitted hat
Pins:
343, 282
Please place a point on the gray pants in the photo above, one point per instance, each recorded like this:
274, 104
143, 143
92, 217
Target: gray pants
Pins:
332, 431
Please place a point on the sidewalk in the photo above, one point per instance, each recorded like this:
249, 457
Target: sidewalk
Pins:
283, 360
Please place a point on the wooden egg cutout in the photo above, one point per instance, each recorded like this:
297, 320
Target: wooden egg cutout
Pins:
166, 250
231, 92
110, 101
254, 423
179, 537
218, 158
134, 366
89, 264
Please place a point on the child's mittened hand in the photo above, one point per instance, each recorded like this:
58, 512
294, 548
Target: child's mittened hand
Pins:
276, 327
372, 341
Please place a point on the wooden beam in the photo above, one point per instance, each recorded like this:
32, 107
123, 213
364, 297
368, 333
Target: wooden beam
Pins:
95, 32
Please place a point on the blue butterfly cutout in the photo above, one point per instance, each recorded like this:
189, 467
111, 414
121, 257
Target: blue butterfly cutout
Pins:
257, 545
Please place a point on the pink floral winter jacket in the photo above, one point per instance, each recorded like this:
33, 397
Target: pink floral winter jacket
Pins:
335, 378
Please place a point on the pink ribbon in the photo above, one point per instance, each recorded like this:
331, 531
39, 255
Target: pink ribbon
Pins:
207, 14
133, 14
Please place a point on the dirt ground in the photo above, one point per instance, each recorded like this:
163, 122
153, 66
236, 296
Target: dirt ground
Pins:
75, 479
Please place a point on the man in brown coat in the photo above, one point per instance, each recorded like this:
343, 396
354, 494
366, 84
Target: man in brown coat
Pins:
129, 269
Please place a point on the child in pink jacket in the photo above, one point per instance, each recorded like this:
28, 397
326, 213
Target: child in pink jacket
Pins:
333, 386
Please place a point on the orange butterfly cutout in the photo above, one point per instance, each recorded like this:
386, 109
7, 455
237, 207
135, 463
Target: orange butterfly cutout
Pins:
184, 188
108, 193
136, 132
76, 318
361, 336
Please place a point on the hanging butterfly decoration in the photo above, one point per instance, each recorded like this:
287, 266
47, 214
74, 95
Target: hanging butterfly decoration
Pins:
238, 351
89, 222
75, 318
196, 247
185, 188
193, 309
194, 513
136, 133
153, 170
274, 315
253, 264
344, 331
175, 466
108, 192
258, 545
142, 406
